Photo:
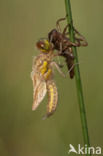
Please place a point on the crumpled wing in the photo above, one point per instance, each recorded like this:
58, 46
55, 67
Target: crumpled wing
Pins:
39, 91
35, 78
39, 94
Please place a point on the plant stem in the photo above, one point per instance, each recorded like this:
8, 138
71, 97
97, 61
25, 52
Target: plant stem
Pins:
77, 77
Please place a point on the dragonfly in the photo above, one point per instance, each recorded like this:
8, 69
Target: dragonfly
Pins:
63, 45
43, 77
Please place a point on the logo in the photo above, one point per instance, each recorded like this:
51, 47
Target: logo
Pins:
84, 149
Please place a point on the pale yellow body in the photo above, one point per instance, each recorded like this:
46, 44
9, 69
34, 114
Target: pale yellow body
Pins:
42, 76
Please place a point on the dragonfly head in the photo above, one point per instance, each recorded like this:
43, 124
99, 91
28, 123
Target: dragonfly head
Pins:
44, 45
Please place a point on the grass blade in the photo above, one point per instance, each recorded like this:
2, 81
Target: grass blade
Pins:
78, 77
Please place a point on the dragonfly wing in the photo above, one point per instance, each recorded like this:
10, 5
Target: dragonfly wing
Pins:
35, 78
39, 94
39, 90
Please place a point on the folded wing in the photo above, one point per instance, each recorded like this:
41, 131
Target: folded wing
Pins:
39, 90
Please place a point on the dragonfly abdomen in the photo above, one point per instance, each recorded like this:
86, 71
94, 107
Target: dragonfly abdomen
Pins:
52, 97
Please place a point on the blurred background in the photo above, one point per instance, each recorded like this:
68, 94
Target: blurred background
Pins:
22, 131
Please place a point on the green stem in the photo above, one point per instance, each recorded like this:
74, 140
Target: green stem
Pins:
77, 77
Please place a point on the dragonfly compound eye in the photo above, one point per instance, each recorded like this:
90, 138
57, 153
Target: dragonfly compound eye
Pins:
43, 45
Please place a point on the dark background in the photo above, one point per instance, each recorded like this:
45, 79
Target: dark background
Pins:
23, 132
